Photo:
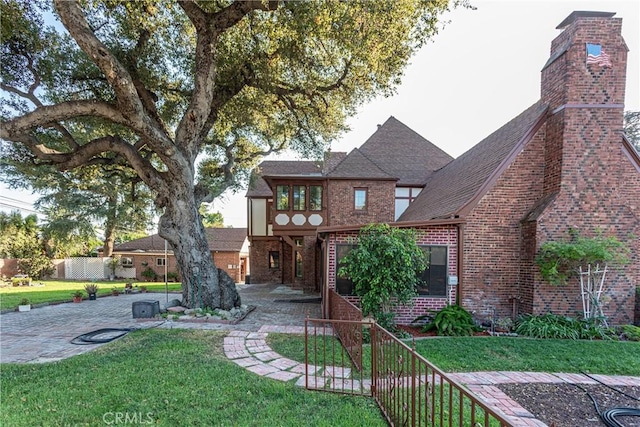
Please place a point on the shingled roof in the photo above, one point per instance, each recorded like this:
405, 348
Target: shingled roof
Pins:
258, 187
404, 154
219, 239
456, 185
357, 165
394, 151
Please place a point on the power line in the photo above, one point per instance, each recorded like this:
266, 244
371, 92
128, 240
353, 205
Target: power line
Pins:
15, 200
18, 207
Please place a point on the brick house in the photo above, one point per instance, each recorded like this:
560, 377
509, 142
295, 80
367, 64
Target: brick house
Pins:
563, 162
228, 247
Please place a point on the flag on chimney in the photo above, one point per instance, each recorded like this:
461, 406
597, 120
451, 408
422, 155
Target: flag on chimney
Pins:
597, 55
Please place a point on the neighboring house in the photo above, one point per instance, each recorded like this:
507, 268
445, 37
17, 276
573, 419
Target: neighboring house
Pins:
561, 163
229, 248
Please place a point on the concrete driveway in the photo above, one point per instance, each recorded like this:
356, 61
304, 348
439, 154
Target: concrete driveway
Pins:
44, 334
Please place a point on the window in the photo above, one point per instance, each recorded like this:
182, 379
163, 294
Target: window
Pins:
404, 196
360, 199
274, 260
344, 285
282, 197
160, 262
315, 197
126, 262
299, 198
434, 278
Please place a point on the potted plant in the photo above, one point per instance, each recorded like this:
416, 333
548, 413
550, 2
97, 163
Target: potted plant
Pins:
143, 289
92, 290
77, 296
115, 292
25, 305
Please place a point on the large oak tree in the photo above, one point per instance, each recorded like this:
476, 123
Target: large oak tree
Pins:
190, 95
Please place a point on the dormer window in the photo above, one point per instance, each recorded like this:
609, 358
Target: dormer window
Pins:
298, 198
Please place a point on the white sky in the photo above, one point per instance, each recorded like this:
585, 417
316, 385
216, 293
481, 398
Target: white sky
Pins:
478, 73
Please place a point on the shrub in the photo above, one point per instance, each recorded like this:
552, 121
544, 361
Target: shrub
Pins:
172, 276
21, 281
562, 327
452, 320
631, 332
149, 274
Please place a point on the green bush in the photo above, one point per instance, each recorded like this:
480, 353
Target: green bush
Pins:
561, 327
149, 274
453, 321
631, 332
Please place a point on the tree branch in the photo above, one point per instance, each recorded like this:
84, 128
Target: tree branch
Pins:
204, 104
47, 114
116, 74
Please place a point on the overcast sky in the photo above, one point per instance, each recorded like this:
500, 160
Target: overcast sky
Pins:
478, 73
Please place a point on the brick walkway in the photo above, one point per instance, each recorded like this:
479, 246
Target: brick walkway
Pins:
44, 333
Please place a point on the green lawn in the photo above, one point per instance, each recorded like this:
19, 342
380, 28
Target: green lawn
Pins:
167, 378
55, 291
468, 354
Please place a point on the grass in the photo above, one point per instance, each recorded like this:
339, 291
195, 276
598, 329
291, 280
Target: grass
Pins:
468, 354
167, 378
55, 291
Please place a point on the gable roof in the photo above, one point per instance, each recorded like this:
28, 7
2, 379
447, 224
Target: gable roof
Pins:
219, 239
357, 165
460, 182
258, 187
394, 151
404, 154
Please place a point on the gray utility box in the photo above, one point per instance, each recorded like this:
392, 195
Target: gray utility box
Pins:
146, 309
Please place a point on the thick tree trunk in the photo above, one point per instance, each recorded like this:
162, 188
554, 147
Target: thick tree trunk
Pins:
183, 229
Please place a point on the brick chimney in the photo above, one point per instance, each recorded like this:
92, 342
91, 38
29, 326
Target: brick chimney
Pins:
583, 82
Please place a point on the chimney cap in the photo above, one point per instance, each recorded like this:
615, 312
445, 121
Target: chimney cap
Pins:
583, 14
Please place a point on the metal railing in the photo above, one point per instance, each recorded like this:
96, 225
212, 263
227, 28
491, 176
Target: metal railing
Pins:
409, 389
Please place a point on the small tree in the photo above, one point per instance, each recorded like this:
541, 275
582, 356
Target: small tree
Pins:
384, 268
587, 257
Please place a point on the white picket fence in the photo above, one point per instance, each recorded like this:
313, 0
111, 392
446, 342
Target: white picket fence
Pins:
93, 268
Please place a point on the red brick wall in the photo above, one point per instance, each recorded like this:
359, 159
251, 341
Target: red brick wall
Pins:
229, 262
493, 236
436, 235
259, 259
380, 202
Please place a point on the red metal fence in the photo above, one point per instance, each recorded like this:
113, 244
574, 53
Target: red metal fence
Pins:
349, 355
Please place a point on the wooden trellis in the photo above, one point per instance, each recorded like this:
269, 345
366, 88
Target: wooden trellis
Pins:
591, 287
